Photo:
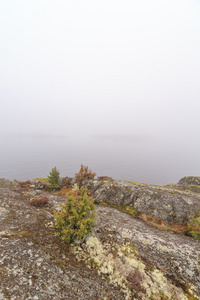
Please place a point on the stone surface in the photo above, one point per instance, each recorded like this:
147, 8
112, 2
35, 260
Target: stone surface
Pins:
34, 262
5, 182
189, 180
167, 204
139, 260
122, 264
177, 255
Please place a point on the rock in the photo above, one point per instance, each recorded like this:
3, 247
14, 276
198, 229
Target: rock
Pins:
36, 264
189, 180
175, 254
117, 259
170, 205
7, 183
140, 261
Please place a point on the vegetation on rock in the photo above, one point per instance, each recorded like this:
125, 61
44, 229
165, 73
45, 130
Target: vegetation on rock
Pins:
124, 208
54, 179
39, 201
76, 218
194, 227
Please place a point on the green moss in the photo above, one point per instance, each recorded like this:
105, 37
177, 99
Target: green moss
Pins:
140, 183
124, 208
12, 236
151, 297
191, 188
93, 263
194, 188
128, 249
42, 179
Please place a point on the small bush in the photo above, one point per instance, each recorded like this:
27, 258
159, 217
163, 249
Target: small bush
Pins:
102, 178
66, 181
84, 174
194, 227
54, 179
76, 218
24, 184
39, 201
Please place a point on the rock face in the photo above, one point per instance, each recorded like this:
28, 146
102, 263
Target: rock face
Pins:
34, 262
131, 252
189, 180
168, 204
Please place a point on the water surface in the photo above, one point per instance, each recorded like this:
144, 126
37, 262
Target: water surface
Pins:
141, 159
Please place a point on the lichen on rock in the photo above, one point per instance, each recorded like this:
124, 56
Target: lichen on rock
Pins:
122, 264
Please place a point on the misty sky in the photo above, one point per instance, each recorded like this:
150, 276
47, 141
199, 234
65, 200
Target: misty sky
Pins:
100, 67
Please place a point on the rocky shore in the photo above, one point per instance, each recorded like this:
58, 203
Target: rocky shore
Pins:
122, 258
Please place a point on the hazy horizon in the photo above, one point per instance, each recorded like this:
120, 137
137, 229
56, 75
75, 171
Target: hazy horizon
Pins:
120, 71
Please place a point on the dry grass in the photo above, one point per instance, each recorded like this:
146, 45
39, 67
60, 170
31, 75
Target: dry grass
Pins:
160, 224
64, 190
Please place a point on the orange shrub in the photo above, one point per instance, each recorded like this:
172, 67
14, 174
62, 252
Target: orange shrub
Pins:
39, 201
84, 174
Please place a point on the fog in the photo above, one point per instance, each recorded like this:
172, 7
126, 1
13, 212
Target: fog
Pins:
112, 70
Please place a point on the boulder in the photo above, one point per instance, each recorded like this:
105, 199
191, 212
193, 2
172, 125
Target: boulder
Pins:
170, 205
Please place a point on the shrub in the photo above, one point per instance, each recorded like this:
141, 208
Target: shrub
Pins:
66, 181
102, 178
39, 201
84, 174
194, 227
76, 218
24, 184
54, 179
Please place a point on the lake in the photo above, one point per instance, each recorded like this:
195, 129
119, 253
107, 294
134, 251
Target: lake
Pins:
141, 159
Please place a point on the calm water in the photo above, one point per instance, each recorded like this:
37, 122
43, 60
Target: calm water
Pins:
121, 157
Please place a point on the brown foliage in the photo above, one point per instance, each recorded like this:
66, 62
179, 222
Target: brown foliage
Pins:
39, 201
102, 178
67, 181
84, 174
135, 281
76, 193
46, 186
24, 184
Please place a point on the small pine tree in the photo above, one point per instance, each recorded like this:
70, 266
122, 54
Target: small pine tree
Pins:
54, 179
76, 218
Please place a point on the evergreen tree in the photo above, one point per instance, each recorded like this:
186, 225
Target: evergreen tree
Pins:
76, 218
54, 179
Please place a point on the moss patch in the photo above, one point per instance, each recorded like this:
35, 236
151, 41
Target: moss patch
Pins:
124, 208
191, 188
